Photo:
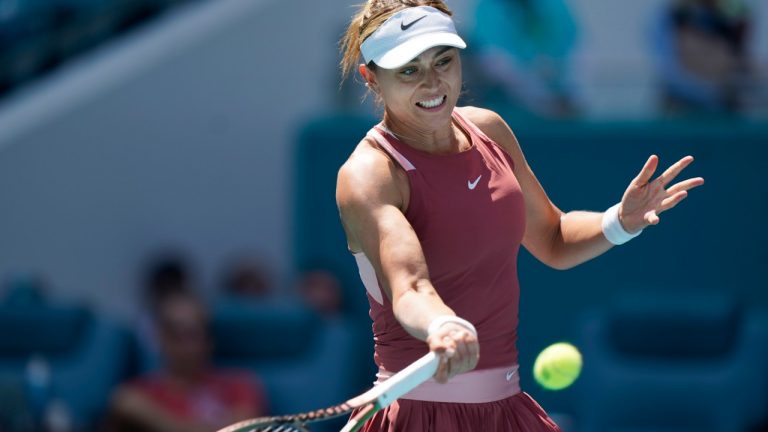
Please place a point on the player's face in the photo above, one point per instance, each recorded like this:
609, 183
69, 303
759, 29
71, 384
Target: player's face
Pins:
424, 91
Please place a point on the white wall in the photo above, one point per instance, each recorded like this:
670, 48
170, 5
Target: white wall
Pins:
178, 135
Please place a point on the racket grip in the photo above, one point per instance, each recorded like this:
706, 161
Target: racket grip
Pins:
352, 426
393, 388
359, 420
407, 379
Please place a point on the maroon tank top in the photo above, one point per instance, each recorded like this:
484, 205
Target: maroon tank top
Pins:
468, 212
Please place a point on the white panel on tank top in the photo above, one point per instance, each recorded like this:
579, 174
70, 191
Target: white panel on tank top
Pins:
405, 163
368, 275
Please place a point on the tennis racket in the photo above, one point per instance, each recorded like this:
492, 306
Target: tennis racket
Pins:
371, 401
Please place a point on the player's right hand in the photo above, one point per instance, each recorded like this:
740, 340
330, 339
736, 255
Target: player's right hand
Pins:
458, 349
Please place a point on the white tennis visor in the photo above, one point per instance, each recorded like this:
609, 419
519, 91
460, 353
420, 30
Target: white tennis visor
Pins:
407, 34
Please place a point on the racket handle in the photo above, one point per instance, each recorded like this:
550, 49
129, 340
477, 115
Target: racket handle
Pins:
355, 423
401, 383
408, 379
393, 388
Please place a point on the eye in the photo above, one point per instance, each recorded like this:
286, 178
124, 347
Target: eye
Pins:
444, 61
408, 71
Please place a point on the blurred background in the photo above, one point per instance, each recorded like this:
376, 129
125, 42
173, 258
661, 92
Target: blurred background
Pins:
170, 251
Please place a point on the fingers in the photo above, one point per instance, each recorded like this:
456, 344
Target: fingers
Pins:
674, 170
686, 185
445, 349
651, 218
647, 172
443, 370
672, 201
458, 350
474, 353
462, 349
654, 198
679, 192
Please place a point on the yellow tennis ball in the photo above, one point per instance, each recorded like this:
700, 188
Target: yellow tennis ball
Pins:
557, 366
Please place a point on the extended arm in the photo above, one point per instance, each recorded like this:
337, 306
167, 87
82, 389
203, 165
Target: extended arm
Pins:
564, 240
370, 195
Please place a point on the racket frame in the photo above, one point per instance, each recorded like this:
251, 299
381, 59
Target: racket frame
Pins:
379, 397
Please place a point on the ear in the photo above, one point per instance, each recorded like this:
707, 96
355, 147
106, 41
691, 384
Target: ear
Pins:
368, 75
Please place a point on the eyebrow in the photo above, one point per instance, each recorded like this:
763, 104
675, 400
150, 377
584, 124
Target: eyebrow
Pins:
442, 51
437, 54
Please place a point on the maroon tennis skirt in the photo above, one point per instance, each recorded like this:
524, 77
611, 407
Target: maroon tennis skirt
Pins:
518, 413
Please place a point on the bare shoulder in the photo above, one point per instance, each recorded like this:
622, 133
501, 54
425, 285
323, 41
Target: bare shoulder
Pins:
495, 127
485, 119
367, 176
367, 183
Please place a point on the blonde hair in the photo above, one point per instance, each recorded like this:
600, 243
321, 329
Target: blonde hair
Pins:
368, 19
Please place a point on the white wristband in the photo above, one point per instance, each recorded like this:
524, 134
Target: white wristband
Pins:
444, 319
612, 228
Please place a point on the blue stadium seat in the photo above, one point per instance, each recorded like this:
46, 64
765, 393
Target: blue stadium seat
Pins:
84, 354
304, 361
673, 362
323, 146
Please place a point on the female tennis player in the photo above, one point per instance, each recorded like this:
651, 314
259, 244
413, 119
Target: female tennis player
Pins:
436, 201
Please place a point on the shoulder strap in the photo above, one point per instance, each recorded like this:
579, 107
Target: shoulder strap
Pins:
470, 126
389, 148
475, 129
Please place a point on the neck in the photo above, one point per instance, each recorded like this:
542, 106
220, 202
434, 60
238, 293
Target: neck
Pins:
444, 138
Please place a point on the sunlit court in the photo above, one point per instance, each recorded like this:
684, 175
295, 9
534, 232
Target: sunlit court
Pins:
383, 216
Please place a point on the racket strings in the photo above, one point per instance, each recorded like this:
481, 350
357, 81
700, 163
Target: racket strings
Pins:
289, 423
295, 427
323, 413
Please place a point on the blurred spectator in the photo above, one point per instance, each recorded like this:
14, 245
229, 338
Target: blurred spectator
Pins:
320, 289
523, 48
248, 276
166, 275
700, 48
187, 393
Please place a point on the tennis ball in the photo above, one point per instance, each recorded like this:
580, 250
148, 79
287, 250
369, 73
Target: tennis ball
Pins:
557, 366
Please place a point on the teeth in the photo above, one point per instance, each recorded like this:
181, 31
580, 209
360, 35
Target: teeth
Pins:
432, 103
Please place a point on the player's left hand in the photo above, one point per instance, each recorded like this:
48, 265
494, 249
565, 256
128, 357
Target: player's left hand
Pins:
644, 200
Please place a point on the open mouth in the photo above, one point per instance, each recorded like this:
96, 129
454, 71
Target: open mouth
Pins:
432, 103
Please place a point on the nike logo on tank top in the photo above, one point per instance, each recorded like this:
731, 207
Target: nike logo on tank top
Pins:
468, 212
